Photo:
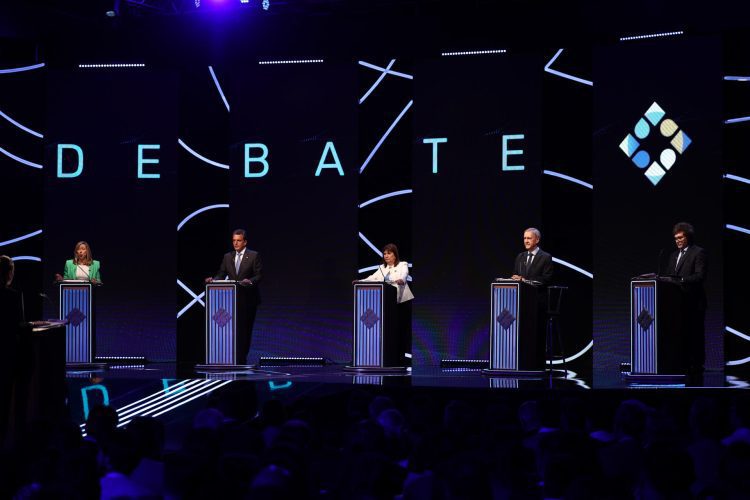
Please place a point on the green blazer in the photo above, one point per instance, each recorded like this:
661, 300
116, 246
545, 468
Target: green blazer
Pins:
70, 270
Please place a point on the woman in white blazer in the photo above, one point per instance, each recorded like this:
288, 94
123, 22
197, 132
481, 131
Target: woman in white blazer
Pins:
395, 271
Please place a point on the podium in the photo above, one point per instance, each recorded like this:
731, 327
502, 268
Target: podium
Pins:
375, 328
77, 308
221, 327
656, 346
516, 345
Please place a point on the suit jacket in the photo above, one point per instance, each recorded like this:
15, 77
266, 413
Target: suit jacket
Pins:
541, 267
250, 268
691, 271
70, 270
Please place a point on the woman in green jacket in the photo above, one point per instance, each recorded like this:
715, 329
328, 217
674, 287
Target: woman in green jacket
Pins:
82, 266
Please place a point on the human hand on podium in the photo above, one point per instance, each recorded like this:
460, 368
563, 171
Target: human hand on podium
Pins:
246, 282
399, 281
516, 277
209, 280
58, 277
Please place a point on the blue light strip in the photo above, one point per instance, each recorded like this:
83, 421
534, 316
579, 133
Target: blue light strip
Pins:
737, 78
386, 71
564, 75
574, 356
737, 178
384, 196
22, 127
112, 65
196, 298
201, 157
569, 178
385, 136
20, 238
22, 68
19, 159
221, 92
738, 361
652, 35
571, 266
738, 333
26, 257
738, 228
200, 211
474, 52
737, 120
377, 82
292, 61
369, 244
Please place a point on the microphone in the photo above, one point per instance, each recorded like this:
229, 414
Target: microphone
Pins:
84, 271
658, 262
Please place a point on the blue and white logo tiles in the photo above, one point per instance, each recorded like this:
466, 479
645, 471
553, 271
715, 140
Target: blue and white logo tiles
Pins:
653, 119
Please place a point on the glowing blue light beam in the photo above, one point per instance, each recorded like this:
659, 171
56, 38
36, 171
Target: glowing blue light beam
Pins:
575, 268
201, 157
737, 78
196, 298
377, 82
738, 228
738, 333
20, 69
564, 75
384, 196
385, 136
737, 120
221, 92
574, 356
369, 244
384, 70
19, 159
200, 211
19, 125
737, 178
20, 238
738, 361
569, 178
26, 257
211, 389
651, 35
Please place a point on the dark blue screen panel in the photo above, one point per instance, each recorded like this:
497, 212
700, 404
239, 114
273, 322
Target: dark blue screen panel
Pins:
472, 115
646, 184
299, 204
108, 119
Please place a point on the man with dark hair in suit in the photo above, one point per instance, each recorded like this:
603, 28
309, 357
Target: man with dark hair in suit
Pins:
242, 265
534, 263
689, 264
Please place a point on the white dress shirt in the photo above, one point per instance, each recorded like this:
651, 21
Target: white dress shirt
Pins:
391, 274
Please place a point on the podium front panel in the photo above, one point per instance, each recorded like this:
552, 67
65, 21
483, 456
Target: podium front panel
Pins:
221, 324
75, 306
643, 327
368, 325
504, 315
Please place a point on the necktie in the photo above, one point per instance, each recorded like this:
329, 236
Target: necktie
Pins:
528, 260
237, 262
679, 258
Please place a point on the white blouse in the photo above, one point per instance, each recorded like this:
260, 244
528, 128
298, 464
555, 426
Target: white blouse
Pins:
391, 274
82, 271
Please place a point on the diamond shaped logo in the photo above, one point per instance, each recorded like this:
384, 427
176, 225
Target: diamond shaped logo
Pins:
506, 319
656, 163
645, 319
75, 317
369, 318
221, 318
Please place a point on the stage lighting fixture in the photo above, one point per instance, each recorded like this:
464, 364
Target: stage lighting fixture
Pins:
115, 11
266, 4
291, 361
464, 363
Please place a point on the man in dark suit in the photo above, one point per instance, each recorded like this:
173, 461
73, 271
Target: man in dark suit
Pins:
688, 265
242, 265
533, 264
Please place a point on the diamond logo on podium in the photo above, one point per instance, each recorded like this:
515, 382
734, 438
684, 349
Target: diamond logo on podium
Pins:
645, 319
506, 319
369, 318
75, 317
221, 318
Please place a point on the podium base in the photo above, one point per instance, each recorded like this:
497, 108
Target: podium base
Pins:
653, 378
513, 373
223, 368
86, 366
376, 369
